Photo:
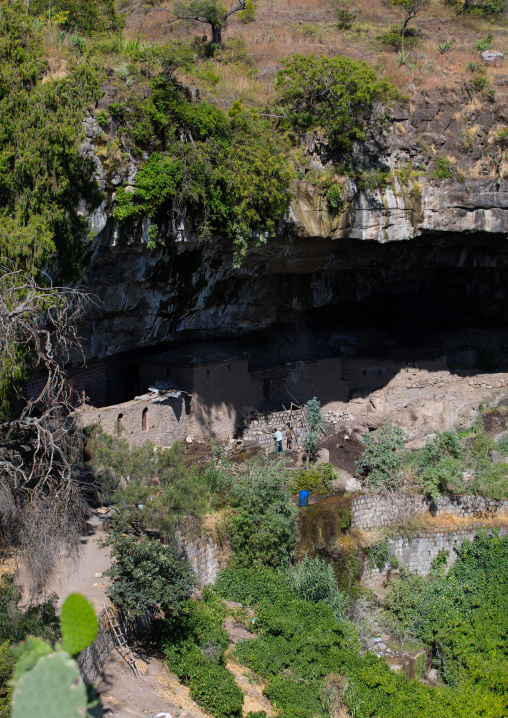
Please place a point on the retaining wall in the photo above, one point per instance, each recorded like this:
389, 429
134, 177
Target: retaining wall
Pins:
91, 661
258, 430
417, 553
202, 553
370, 512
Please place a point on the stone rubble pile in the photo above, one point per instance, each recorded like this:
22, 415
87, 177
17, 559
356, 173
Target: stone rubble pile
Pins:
336, 417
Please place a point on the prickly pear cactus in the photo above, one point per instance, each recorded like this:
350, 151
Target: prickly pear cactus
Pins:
78, 623
53, 687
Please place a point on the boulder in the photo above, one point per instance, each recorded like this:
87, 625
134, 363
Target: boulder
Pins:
323, 456
493, 58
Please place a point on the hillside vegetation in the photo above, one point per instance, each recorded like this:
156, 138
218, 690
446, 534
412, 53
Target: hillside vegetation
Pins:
215, 129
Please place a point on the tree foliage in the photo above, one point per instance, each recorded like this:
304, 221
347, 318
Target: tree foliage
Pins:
42, 174
314, 424
410, 9
439, 464
382, 459
88, 16
209, 12
146, 575
159, 480
463, 614
337, 94
230, 172
262, 529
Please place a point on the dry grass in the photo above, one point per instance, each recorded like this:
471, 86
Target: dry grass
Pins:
285, 27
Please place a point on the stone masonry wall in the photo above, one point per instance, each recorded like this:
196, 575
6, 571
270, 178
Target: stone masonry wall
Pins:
90, 379
141, 420
91, 661
259, 428
202, 553
370, 512
417, 553
302, 380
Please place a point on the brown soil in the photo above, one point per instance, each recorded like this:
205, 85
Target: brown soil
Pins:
157, 691
78, 575
345, 450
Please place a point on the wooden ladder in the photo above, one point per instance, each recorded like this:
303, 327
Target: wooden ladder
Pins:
120, 642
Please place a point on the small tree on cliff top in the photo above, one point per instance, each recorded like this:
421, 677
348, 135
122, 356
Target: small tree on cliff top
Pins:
334, 93
209, 12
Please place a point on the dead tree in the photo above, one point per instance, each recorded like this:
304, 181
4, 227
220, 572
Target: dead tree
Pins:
41, 507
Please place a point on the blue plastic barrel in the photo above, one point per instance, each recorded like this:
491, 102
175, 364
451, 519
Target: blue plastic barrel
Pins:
304, 497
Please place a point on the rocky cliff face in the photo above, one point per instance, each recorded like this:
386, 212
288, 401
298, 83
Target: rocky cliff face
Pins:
413, 255
385, 243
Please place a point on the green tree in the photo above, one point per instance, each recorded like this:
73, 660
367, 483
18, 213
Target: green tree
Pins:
262, 528
209, 12
43, 176
88, 16
410, 9
159, 480
146, 575
336, 93
231, 172
382, 458
314, 424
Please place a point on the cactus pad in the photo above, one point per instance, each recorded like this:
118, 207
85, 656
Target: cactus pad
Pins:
78, 622
52, 688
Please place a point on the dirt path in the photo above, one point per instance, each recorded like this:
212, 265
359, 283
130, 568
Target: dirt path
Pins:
157, 691
79, 575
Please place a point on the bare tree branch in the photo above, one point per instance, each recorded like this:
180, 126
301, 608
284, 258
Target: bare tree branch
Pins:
41, 507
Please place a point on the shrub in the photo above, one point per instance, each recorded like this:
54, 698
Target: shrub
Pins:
6, 668
334, 93
483, 45
262, 529
334, 198
214, 689
314, 580
194, 642
102, 118
314, 423
378, 554
462, 614
88, 16
345, 18
443, 168
382, 458
252, 585
146, 575
502, 445
317, 480
443, 47
16, 623
439, 464
393, 38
